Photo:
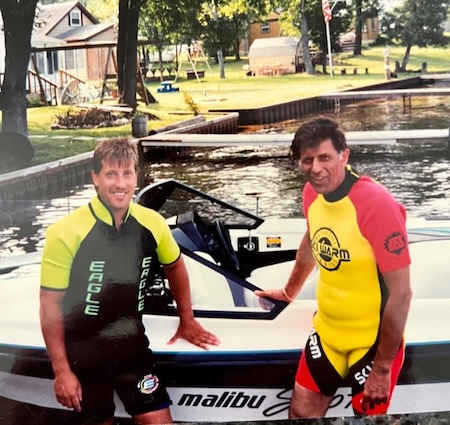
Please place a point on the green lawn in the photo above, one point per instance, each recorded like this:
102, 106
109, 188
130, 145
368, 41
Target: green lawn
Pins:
235, 91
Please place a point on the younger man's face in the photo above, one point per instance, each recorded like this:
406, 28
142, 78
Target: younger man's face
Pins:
115, 186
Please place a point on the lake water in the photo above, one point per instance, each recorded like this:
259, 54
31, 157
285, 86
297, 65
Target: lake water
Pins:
417, 175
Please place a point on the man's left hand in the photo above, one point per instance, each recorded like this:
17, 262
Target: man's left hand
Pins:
193, 332
376, 391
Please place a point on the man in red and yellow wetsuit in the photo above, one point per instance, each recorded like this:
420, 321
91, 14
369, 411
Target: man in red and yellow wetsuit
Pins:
95, 267
357, 238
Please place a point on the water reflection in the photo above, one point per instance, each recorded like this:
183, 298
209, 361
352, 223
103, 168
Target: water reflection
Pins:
418, 176
430, 112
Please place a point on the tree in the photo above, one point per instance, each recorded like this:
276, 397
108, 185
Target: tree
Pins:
167, 22
293, 19
103, 10
316, 25
364, 9
307, 60
240, 13
225, 22
18, 18
127, 50
416, 23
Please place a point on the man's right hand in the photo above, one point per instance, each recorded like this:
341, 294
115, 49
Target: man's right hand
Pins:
68, 390
275, 294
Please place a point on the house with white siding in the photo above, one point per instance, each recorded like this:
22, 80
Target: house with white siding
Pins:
69, 37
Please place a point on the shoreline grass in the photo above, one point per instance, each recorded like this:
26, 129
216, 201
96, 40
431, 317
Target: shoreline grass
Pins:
234, 92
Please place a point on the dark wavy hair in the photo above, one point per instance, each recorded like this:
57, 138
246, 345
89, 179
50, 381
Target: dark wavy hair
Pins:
313, 132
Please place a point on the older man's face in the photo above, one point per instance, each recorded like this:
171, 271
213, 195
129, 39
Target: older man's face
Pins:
324, 167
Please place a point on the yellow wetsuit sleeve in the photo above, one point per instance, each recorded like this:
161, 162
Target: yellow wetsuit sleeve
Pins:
167, 249
62, 242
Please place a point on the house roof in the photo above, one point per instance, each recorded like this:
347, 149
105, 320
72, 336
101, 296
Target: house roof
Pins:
273, 16
273, 46
50, 15
43, 41
85, 33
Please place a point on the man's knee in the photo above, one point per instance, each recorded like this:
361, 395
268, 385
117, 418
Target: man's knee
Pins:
307, 404
162, 416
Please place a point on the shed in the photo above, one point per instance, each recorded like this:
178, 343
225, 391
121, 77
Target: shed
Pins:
281, 52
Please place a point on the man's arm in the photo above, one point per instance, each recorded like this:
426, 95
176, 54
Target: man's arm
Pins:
189, 328
303, 266
393, 321
67, 386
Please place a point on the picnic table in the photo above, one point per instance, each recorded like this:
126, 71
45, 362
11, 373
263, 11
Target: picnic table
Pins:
167, 87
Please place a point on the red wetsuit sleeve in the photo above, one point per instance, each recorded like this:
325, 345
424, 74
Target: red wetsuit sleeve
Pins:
382, 221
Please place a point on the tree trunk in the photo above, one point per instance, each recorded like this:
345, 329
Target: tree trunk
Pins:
357, 49
130, 68
161, 65
221, 61
406, 58
220, 58
121, 45
237, 46
18, 19
127, 78
309, 67
323, 56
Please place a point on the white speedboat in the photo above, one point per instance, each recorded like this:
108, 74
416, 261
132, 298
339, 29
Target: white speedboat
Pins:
249, 376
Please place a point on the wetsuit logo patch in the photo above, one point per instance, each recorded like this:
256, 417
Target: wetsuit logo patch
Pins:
395, 243
327, 251
148, 384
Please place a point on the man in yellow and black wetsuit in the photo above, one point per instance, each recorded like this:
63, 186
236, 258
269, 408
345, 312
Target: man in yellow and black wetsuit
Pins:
357, 238
95, 266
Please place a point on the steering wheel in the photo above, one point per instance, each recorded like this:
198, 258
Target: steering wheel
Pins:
225, 247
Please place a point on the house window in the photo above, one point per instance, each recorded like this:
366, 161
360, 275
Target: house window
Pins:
70, 59
75, 18
52, 63
374, 25
265, 28
74, 59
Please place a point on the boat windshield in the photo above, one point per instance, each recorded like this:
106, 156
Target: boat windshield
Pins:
172, 198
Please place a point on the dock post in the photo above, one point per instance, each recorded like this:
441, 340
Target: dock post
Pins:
448, 140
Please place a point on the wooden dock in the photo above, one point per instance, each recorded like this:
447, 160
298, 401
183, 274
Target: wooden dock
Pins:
285, 139
373, 94
405, 94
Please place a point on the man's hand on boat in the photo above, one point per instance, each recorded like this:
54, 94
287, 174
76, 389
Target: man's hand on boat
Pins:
274, 294
68, 390
191, 330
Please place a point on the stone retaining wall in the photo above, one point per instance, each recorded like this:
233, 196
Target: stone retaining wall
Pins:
57, 175
40, 179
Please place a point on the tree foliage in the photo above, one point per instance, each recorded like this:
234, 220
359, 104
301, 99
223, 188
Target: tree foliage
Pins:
292, 21
416, 23
225, 22
103, 10
169, 22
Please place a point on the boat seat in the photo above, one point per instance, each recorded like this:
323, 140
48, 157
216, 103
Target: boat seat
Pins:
195, 229
209, 289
